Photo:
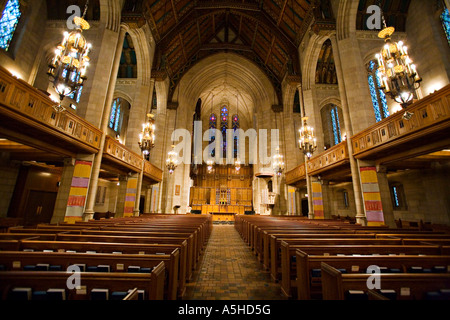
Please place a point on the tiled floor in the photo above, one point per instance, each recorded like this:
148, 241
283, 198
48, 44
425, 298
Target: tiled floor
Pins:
229, 271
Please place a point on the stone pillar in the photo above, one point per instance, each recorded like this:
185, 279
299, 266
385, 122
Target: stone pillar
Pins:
73, 189
121, 195
385, 192
138, 191
309, 191
148, 198
89, 211
326, 198
360, 216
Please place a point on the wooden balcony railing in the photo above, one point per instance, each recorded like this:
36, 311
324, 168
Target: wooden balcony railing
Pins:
427, 131
152, 172
28, 113
120, 155
296, 175
330, 159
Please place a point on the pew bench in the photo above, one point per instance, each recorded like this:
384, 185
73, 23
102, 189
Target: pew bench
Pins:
53, 284
289, 264
98, 262
402, 286
110, 248
308, 281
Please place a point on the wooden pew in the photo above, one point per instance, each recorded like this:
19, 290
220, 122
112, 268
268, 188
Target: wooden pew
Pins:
149, 240
280, 264
336, 285
152, 284
309, 286
111, 247
289, 266
16, 260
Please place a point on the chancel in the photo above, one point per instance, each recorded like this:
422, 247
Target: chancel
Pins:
215, 150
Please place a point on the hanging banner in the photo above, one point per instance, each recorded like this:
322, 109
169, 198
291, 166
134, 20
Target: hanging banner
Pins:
130, 197
78, 191
317, 200
372, 196
154, 199
291, 201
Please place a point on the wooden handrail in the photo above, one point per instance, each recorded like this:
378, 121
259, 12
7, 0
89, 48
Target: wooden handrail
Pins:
152, 172
23, 103
296, 175
430, 115
331, 158
122, 155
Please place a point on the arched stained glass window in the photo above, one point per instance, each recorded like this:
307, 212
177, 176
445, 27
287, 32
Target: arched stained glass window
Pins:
379, 101
445, 18
114, 119
212, 125
236, 126
336, 125
224, 127
8, 23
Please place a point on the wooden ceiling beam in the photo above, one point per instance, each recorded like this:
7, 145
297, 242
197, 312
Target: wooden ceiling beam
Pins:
174, 9
283, 8
270, 50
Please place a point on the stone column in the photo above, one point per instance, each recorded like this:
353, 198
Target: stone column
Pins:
89, 211
138, 191
385, 192
360, 216
121, 195
73, 189
309, 191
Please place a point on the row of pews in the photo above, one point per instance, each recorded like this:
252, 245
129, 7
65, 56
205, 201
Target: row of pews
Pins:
150, 257
335, 260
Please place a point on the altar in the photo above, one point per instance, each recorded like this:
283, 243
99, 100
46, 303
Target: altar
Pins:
223, 216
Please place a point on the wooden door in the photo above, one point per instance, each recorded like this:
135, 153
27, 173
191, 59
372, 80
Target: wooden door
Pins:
39, 207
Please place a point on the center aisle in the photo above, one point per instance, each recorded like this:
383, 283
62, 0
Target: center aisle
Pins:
230, 271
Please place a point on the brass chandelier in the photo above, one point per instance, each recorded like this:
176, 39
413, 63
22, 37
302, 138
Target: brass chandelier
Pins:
171, 161
278, 163
307, 142
147, 136
396, 71
67, 71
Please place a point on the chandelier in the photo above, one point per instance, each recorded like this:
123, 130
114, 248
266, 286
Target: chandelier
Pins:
210, 165
67, 71
307, 142
237, 165
171, 161
147, 136
278, 163
396, 71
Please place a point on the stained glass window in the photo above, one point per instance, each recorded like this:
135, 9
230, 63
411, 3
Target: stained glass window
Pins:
114, 119
236, 126
212, 125
396, 198
224, 127
379, 101
8, 23
336, 125
445, 17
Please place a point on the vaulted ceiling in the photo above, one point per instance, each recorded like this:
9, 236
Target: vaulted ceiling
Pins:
267, 32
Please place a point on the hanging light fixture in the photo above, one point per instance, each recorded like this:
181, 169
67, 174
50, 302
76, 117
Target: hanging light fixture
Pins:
172, 161
210, 165
278, 163
147, 136
307, 141
237, 162
67, 71
396, 71
278, 159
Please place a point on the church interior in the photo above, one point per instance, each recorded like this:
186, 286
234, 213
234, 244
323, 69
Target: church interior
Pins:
213, 150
